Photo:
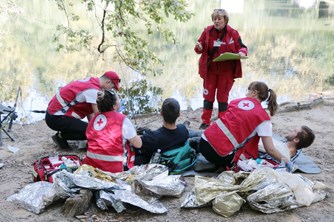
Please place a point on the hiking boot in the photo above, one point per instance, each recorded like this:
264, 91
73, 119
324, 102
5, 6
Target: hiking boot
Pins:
203, 126
201, 167
61, 143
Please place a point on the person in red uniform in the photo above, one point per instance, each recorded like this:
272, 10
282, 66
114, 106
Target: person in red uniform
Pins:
109, 135
218, 76
74, 102
242, 125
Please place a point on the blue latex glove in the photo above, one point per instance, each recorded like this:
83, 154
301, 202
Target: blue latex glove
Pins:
289, 166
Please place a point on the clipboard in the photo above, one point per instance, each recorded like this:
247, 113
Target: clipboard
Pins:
229, 56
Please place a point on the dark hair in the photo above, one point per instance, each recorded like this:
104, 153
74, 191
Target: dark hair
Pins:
106, 100
264, 93
305, 136
170, 110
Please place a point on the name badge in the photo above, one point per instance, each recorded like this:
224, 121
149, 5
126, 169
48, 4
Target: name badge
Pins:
217, 43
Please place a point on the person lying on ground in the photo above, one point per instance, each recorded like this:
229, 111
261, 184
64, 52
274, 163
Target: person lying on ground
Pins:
295, 141
241, 126
290, 146
167, 137
74, 102
108, 135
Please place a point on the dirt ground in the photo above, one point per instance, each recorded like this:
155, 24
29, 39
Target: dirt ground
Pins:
34, 141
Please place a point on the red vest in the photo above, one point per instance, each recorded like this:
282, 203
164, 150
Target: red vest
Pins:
69, 100
106, 150
240, 119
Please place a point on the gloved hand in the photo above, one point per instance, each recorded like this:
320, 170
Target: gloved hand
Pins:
289, 166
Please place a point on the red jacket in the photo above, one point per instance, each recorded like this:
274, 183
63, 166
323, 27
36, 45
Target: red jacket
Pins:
106, 150
231, 43
241, 118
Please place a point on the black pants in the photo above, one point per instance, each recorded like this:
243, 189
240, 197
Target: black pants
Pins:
70, 127
212, 156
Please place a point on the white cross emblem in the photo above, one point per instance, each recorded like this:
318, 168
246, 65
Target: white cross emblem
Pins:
100, 122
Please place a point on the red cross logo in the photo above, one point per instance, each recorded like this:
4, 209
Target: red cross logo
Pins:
246, 104
100, 121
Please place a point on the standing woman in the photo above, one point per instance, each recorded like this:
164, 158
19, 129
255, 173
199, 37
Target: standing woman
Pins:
108, 136
218, 76
243, 124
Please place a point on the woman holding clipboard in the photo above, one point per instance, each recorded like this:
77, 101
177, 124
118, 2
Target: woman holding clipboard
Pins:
218, 76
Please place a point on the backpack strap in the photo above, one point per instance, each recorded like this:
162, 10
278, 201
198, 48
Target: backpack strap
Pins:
179, 159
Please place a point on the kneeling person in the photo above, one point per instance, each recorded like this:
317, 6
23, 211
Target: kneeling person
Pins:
108, 135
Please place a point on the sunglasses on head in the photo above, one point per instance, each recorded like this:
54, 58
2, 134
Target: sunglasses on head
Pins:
110, 91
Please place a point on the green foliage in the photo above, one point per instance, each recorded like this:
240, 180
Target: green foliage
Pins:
76, 39
293, 52
140, 98
330, 80
119, 21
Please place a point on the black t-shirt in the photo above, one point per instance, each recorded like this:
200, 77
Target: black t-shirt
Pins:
163, 139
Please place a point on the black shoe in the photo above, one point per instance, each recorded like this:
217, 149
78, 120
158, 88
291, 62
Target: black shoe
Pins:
203, 126
201, 167
194, 143
61, 143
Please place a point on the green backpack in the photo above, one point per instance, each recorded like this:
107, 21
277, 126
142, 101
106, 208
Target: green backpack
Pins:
179, 159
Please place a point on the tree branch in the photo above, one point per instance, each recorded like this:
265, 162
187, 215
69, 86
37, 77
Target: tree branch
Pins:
99, 48
63, 5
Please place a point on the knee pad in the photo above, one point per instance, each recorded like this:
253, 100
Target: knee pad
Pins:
222, 107
207, 105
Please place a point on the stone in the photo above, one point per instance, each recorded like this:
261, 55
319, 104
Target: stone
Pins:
77, 204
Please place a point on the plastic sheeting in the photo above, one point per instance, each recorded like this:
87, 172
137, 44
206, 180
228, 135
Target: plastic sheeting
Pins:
227, 203
207, 189
111, 190
163, 185
129, 197
35, 197
265, 189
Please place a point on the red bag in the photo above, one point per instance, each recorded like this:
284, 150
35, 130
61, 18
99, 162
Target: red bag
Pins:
45, 167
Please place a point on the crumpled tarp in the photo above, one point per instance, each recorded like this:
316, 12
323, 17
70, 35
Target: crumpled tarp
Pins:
35, 197
118, 188
227, 203
125, 196
265, 189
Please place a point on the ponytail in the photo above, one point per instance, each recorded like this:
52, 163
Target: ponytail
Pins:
265, 94
271, 102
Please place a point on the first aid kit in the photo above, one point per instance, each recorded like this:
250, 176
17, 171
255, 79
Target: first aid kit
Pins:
46, 167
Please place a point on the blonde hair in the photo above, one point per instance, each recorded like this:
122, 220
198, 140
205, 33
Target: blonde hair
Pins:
220, 13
